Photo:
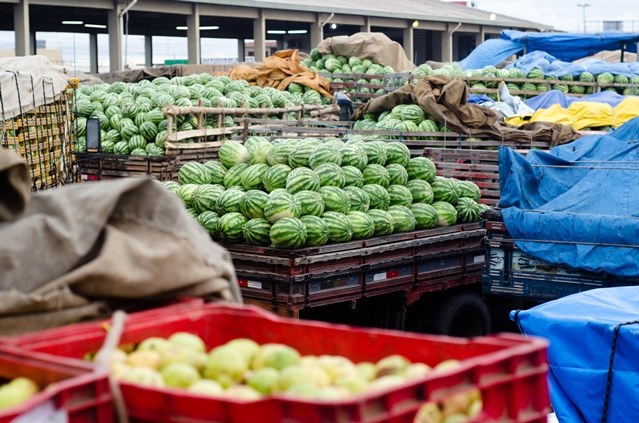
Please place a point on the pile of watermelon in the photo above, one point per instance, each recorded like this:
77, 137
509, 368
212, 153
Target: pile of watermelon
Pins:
403, 117
131, 118
290, 193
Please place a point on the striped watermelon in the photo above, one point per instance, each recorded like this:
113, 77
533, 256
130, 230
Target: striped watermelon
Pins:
194, 173
280, 206
354, 155
170, 185
311, 202
216, 170
445, 189
379, 198
360, 201
421, 168
483, 208
275, 177
446, 213
397, 173
400, 195
154, 116
153, 150
256, 232
276, 192
258, 151
205, 197
339, 226
376, 152
425, 216
412, 113
427, 125
335, 199
397, 153
113, 136
376, 174
280, 153
185, 192
362, 225
107, 147
383, 221
467, 210
209, 221
301, 153
149, 131
229, 201
403, 219
233, 176
324, 154
127, 131
121, 147
421, 190
160, 138
288, 232
232, 153
317, 231
192, 212
138, 152
252, 204
251, 178
302, 179
137, 141
330, 174
468, 189
352, 176
230, 227
116, 122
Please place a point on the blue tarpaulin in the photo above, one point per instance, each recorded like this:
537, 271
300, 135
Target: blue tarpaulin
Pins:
547, 99
577, 204
580, 329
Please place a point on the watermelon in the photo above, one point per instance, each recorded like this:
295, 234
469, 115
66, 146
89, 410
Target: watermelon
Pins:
209, 220
467, 210
233, 176
354, 155
379, 198
421, 191
258, 153
216, 170
280, 206
252, 204
194, 173
317, 230
468, 189
339, 226
375, 152
446, 213
445, 189
113, 136
352, 176
360, 201
149, 131
276, 192
251, 178
397, 173
330, 174
288, 232
230, 227
383, 221
276, 176
302, 179
311, 202
403, 218
205, 197
256, 232
185, 192
136, 142
192, 212
160, 138
412, 113
324, 154
362, 225
400, 195
301, 153
170, 185
421, 168
376, 174
127, 131
232, 153
153, 150
425, 216
229, 201
335, 199
280, 153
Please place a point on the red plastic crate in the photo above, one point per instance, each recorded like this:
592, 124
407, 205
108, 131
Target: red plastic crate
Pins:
510, 370
83, 395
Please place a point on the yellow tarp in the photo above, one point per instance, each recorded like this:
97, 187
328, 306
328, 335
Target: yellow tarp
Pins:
584, 114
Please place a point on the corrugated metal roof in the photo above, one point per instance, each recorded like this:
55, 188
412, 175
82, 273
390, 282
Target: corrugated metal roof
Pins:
425, 10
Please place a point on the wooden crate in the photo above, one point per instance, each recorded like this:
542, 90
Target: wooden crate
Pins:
362, 87
99, 166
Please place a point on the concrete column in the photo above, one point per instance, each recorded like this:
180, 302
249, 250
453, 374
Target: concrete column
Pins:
241, 50
93, 52
315, 33
367, 25
193, 35
148, 51
259, 37
408, 43
21, 27
115, 39
480, 37
447, 46
32, 43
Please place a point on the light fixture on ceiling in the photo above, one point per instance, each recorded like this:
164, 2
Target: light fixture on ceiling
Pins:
98, 26
181, 28
333, 26
415, 23
492, 17
72, 22
297, 31
202, 28
275, 31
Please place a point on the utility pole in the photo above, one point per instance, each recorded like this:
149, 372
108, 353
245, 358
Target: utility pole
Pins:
583, 9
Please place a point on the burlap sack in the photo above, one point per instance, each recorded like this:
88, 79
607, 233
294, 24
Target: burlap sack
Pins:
65, 253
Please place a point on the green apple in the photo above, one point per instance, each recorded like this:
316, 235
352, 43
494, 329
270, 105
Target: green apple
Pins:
188, 341
225, 364
180, 375
144, 358
144, 376
246, 346
392, 365
264, 380
278, 356
206, 387
242, 392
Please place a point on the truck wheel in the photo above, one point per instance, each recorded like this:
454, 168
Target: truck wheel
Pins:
464, 314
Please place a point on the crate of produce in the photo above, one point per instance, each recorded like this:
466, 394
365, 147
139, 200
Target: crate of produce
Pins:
511, 272
99, 166
64, 391
362, 87
507, 373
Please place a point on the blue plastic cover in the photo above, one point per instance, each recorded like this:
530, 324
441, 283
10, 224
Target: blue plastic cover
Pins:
580, 330
577, 204
490, 52
552, 97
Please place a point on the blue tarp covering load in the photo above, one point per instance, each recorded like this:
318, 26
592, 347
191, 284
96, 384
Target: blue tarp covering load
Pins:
577, 204
581, 329
545, 100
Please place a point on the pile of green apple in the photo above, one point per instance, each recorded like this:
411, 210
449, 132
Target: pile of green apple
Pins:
243, 369
17, 391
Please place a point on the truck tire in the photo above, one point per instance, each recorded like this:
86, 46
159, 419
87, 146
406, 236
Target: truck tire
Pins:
463, 314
